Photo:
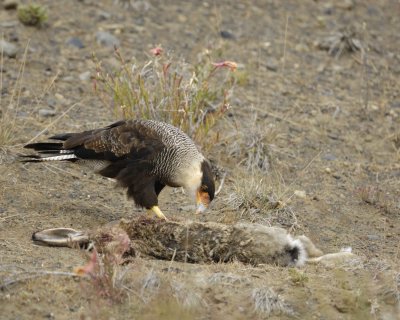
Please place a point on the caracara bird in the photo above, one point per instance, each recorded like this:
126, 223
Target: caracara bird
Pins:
143, 156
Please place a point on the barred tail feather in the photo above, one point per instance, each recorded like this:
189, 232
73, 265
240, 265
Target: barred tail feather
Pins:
48, 151
36, 158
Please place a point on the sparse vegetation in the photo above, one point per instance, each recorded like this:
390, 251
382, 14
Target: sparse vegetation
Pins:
193, 97
298, 278
32, 15
374, 196
9, 108
268, 302
250, 145
106, 277
339, 105
253, 195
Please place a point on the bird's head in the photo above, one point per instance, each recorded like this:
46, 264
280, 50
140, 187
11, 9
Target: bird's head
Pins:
206, 190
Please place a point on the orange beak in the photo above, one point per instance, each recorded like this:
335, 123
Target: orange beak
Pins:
202, 201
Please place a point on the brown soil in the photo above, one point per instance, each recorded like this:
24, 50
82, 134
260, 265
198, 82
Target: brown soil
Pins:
333, 120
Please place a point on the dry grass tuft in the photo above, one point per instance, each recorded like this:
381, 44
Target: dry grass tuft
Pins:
252, 196
298, 278
192, 97
151, 286
260, 198
9, 109
267, 302
376, 197
187, 295
250, 146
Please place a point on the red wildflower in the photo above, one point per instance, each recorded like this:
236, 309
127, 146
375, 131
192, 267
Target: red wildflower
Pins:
226, 64
157, 51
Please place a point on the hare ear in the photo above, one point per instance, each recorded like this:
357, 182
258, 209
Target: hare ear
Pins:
62, 237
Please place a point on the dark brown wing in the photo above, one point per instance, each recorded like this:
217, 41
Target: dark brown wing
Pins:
129, 146
122, 138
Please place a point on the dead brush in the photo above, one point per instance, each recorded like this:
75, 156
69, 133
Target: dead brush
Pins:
257, 197
267, 302
250, 146
345, 40
192, 97
9, 109
370, 194
374, 196
105, 272
252, 196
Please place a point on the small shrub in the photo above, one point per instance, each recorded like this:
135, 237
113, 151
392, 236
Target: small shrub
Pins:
249, 144
9, 106
374, 196
32, 15
192, 97
106, 278
298, 278
6, 128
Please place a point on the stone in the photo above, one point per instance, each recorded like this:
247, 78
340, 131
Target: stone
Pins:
227, 35
300, 194
9, 49
329, 157
107, 39
51, 102
84, 76
272, 65
46, 113
75, 42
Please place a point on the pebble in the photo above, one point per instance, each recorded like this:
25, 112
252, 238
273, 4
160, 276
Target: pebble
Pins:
188, 208
9, 24
373, 237
327, 9
345, 4
104, 15
272, 65
61, 99
51, 102
336, 176
84, 76
300, 194
9, 49
10, 4
107, 39
329, 157
75, 42
46, 113
328, 170
68, 79
227, 35
302, 47
182, 18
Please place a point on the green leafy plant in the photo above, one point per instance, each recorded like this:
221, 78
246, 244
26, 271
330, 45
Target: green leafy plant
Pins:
32, 15
192, 97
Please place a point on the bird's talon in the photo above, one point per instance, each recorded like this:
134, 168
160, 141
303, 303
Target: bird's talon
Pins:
158, 212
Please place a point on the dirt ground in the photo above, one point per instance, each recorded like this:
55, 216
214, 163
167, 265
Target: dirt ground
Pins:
320, 94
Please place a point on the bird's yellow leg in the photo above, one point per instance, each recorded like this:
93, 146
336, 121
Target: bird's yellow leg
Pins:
157, 211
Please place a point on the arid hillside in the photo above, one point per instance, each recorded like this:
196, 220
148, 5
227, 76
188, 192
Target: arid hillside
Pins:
309, 141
